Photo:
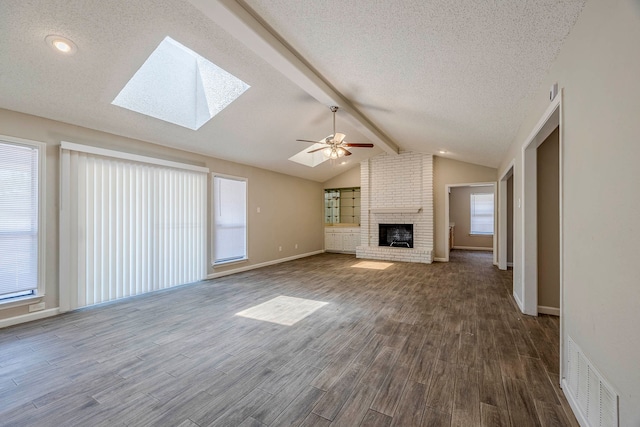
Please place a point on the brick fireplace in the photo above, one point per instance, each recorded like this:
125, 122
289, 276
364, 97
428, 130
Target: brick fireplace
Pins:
397, 190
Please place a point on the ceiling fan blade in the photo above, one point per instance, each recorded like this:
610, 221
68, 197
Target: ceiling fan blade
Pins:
358, 144
317, 149
314, 142
338, 138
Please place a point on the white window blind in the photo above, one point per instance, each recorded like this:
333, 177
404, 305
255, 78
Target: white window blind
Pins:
482, 213
19, 220
128, 227
229, 219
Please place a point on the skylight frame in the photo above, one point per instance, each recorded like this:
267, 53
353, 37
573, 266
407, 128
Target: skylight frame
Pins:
179, 86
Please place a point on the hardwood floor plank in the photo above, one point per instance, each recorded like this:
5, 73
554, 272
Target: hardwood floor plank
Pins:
521, 405
551, 415
435, 418
301, 406
492, 416
390, 391
466, 403
375, 419
491, 386
411, 405
331, 403
442, 386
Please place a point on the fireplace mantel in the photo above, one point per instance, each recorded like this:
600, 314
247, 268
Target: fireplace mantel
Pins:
397, 210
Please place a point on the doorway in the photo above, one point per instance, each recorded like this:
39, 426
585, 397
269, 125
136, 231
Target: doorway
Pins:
505, 218
459, 219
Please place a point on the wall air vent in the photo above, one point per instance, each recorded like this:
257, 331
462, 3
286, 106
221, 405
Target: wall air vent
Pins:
591, 397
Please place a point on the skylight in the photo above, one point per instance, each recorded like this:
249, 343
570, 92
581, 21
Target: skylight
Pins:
177, 85
310, 159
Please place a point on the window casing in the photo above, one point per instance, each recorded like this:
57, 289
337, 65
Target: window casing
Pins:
482, 214
21, 220
229, 212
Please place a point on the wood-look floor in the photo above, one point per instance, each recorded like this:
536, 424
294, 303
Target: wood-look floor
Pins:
412, 345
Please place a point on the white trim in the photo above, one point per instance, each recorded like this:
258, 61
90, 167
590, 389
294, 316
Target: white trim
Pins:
549, 121
29, 317
19, 302
510, 264
42, 210
438, 259
473, 248
573, 404
518, 302
553, 311
128, 156
262, 264
400, 210
447, 191
212, 255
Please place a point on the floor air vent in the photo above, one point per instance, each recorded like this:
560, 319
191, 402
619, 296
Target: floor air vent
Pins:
596, 401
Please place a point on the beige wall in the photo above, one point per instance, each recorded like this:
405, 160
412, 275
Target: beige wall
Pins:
448, 171
350, 178
548, 184
598, 69
460, 214
291, 208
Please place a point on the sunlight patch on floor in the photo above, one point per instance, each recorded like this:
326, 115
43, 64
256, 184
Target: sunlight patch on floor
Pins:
373, 265
283, 310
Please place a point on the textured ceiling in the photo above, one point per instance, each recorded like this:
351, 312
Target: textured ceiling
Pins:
430, 74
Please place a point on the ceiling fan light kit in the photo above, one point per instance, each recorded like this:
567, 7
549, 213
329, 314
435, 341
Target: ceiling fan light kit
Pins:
336, 144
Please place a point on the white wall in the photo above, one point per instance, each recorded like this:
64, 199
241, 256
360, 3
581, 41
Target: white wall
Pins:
598, 69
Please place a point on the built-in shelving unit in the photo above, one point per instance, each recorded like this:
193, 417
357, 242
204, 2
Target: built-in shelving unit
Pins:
342, 206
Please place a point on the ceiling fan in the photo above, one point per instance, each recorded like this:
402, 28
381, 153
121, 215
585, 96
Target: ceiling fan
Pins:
336, 146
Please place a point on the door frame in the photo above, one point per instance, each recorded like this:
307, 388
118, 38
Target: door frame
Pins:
502, 214
447, 191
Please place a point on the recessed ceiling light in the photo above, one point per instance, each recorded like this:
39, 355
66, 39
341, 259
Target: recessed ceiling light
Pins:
343, 163
443, 151
61, 44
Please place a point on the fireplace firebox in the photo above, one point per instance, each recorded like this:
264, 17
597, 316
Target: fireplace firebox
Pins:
395, 235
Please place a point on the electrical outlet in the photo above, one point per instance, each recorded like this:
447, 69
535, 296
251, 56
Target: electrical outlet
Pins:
36, 307
258, 209
280, 248
296, 246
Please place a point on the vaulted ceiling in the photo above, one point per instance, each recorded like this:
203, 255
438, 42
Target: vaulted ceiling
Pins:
412, 75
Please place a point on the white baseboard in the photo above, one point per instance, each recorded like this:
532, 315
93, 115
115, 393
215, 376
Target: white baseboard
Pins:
437, 259
262, 264
29, 317
518, 302
549, 310
473, 248
574, 404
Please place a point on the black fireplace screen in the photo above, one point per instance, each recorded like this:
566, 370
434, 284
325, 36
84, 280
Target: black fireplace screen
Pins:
395, 235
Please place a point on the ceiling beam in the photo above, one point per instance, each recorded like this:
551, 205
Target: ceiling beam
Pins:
248, 29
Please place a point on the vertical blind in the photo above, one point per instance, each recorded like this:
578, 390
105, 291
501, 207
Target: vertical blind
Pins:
482, 213
229, 219
19, 220
132, 227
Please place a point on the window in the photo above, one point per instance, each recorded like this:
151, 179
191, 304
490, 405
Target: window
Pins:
20, 238
482, 214
229, 219
131, 224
